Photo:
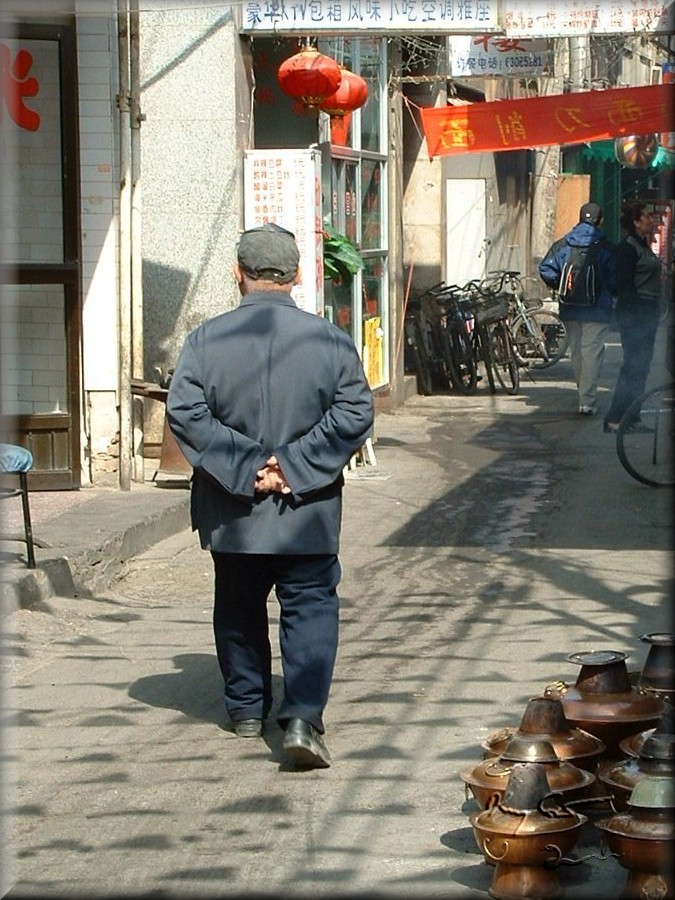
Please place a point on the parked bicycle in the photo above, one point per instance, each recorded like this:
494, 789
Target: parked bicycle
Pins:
427, 348
468, 334
644, 440
539, 335
458, 325
492, 303
492, 338
452, 330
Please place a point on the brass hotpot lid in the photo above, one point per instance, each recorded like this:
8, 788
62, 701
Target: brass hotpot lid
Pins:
632, 827
575, 743
597, 657
493, 774
531, 822
525, 748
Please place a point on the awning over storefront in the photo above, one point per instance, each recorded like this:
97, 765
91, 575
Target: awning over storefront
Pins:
544, 121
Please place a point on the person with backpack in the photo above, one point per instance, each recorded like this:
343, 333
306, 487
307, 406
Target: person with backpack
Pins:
637, 309
580, 267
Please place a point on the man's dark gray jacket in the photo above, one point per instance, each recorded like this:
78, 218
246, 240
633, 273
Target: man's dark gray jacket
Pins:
268, 378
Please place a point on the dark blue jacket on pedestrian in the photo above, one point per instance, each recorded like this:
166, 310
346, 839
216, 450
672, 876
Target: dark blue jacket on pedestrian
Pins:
268, 379
550, 269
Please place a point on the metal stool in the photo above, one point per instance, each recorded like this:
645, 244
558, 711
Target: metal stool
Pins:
17, 461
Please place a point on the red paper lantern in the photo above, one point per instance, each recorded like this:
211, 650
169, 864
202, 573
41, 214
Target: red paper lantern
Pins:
309, 76
352, 93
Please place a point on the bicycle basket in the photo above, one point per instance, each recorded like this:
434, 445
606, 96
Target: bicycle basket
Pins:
456, 308
491, 310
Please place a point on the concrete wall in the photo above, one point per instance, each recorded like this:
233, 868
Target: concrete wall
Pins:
99, 187
189, 170
424, 191
191, 70
422, 202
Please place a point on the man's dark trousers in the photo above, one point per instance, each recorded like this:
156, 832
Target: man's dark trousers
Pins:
306, 588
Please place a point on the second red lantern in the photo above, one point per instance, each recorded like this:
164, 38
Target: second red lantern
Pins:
309, 76
352, 94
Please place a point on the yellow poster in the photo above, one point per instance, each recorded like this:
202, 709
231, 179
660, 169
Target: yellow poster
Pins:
373, 346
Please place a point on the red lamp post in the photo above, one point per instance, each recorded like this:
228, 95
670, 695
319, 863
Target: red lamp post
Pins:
309, 76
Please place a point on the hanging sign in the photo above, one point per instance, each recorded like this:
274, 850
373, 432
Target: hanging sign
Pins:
373, 16
543, 121
558, 18
487, 54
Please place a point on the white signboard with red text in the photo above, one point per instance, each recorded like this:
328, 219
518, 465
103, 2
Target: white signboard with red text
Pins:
515, 18
489, 54
371, 16
284, 186
567, 18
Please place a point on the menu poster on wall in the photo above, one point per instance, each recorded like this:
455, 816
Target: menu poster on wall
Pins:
284, 186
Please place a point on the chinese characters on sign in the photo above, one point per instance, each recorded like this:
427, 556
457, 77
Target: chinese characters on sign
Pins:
440, 16
284, 186
17, 86
544, 121
554, 18
487, 54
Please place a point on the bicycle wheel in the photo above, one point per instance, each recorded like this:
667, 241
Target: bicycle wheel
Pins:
540, 341
442, 373
644, 440
483, 352
421, 360
504, 362
462, 363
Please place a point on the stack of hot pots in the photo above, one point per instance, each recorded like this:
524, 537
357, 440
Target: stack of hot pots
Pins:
606, 741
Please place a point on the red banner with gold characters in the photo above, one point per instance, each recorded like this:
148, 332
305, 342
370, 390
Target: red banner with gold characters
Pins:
542, 121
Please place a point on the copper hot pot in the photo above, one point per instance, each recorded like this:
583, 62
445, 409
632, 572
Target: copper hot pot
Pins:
656, 757
643, 838
603, 702
544, 719
488, 779
523, 840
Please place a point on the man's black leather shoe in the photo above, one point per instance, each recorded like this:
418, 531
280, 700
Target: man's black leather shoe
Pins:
305, 746
248, 728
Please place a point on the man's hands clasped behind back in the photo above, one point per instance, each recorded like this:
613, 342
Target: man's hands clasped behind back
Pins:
270, 479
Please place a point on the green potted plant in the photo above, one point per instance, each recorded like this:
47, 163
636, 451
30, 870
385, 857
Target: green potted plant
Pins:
341, 258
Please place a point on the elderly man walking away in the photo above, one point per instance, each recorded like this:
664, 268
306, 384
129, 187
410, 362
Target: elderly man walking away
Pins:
268, 403
581, 268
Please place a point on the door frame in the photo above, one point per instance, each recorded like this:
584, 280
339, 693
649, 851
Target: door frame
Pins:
464, 222
54, 438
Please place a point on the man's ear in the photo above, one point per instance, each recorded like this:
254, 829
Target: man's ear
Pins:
298, 277
238, 274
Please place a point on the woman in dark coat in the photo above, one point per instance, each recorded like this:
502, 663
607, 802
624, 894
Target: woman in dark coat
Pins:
638, 278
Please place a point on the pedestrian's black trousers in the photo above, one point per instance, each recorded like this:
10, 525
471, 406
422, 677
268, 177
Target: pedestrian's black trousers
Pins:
638, 333
306, 588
